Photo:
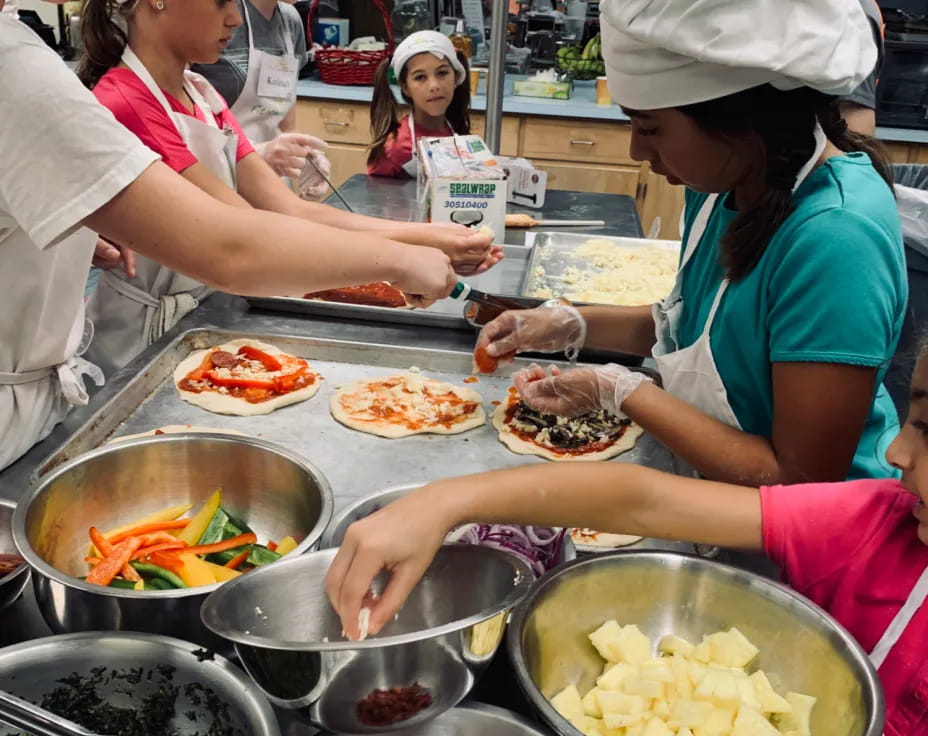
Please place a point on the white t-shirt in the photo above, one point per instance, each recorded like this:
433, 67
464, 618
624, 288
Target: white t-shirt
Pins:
10, 8
62, 157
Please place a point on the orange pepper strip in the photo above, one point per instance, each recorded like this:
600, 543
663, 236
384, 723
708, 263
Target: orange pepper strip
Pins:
199, 372
156, 526
130, 573
208, 549
268, 361
160, 538
167, 560
237, 561
272, 546
145, 551
103, 545
93, 560
114, 562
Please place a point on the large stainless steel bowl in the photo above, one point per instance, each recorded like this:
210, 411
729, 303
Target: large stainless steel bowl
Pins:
290, 640
11, 584
476, 719
801, 647
33, 668
276, 491
334, 533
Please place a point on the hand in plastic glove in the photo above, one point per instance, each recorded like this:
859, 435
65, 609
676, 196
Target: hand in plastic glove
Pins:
287, 153
312, 185
426, 275
578, 391
471, 251
550, 328
107, 256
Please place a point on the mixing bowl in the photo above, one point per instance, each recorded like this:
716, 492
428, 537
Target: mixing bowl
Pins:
33, 668
11, 584
274, 490
801, 647
290, 641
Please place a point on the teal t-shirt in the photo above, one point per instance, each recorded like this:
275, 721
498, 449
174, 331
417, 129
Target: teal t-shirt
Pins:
830, 288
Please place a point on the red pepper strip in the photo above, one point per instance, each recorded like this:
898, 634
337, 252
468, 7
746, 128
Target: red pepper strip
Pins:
208, 549
278, 384
268, 361
197, 373
236, 561
146, 551
157, 526
167, 560
114, 562
272, 546
103, 545
160, 537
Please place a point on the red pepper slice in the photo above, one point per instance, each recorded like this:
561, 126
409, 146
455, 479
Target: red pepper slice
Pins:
268, 361
201, 370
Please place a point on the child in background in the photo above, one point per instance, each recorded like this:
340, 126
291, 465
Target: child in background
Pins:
432, 76
858, 548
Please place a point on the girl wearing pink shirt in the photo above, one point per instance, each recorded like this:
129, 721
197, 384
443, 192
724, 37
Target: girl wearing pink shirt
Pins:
431, 74
859, 548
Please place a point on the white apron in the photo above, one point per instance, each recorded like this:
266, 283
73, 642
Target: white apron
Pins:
690, 373
411, 167
270, 87
130, 315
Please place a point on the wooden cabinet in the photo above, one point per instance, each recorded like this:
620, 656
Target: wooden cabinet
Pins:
657, 198
589, 177
921, 154
509, 135
576, 141
346, 162
335, 122
899, 153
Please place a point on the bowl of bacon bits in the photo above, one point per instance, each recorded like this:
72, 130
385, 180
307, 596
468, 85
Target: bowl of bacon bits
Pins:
134, 535
419, 666
14, 572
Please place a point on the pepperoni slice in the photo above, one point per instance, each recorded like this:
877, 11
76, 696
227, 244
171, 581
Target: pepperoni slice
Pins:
222, 359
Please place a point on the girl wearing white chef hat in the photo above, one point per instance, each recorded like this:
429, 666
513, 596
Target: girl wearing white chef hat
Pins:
432, 75
791, 289
141, 75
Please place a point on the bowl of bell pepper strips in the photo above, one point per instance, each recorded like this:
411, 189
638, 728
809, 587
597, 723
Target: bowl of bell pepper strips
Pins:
169, 549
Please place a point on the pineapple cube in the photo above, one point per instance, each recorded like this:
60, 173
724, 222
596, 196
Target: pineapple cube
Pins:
593, 727
633, 646
800, 720
743, 651
746, 689
749, 722
615, 702
591, 705
614, 678
605, 639
622, 720
569, 704
684, 732
689, 713
720, 721
661, 708
683, 688
656, 669
697, 670
636, 729
731, 648
767, 698
675, 645
720, 687
678, 665
643, 686
656, 727
702, 652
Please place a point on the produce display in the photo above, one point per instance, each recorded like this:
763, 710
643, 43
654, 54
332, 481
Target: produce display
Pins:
582, 63
164, 551
8, 563
81, 699
687, 690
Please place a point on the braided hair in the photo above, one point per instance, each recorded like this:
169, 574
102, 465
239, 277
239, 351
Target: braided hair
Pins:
784, 122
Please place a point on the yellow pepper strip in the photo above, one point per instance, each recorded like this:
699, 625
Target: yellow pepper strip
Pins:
194, 571
285, 546
222, 573
194, 530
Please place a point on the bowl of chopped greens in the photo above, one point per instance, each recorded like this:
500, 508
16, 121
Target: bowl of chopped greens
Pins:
129, 684
134, 536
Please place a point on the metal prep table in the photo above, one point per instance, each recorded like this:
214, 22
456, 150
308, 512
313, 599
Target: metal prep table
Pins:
389, 197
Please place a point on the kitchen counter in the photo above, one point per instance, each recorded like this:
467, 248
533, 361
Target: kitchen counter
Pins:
582, 104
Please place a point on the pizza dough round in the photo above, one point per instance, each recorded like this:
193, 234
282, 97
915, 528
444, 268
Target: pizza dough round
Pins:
220, 403
177, 429
601, 540
524, 447
350, 405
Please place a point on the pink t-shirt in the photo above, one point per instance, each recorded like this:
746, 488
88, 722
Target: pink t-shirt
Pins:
853, 549
134, 105
398, 150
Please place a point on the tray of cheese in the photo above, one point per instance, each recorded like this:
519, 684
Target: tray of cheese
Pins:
601, 270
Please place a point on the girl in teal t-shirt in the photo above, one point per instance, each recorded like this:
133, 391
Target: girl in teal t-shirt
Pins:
791, 291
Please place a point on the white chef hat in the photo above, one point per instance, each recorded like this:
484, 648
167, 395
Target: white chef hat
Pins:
431, 42
666, 53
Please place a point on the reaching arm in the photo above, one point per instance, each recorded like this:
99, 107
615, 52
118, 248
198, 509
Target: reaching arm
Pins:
624, 329
612, 497
248, 251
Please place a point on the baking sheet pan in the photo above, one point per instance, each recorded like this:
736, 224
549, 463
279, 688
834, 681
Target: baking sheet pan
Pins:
506, 278
553, 253
355, 463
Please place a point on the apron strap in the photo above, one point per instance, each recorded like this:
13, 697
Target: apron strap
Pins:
19, 379
894, 631
130, 291
715, 307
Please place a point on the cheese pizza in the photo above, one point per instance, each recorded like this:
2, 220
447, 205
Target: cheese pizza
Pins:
406, 404
244, 378
594, 436
590, 538
380, 294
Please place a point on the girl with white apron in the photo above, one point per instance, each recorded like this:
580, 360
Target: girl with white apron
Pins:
131, 314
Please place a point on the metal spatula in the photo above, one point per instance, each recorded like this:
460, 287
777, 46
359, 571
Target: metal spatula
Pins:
35, 720
465, 292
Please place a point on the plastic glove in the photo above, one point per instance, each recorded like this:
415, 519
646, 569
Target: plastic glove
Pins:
287, 153
311, 184
550, 328
578, 391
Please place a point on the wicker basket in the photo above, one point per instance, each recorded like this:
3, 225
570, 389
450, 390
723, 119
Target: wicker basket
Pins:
344, 66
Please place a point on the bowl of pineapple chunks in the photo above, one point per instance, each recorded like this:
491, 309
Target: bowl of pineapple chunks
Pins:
664, 644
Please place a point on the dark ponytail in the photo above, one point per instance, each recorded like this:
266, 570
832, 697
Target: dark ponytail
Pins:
103, 39
784, 122
385, 113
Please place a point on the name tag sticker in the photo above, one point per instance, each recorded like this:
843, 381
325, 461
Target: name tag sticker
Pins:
277, 78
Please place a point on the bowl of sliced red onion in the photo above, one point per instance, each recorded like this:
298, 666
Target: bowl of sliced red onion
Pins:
542, 547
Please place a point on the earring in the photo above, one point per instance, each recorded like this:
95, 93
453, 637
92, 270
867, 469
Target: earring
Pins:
160, 5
